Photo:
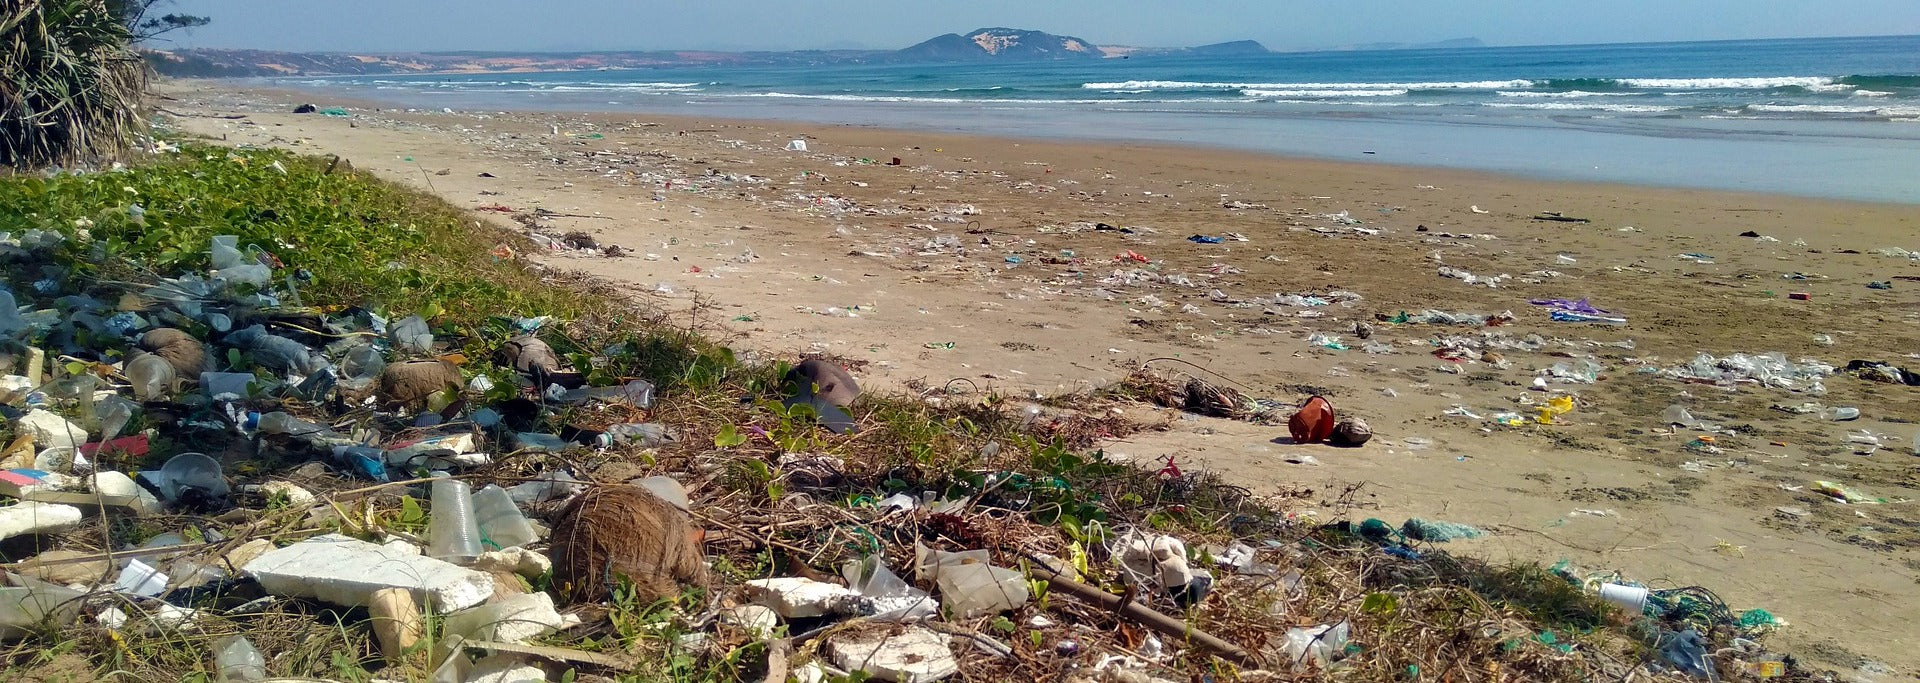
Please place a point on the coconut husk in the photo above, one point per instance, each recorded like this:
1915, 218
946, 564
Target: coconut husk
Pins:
629, 532
1215, 401
413, 382
187, 355
1350, 432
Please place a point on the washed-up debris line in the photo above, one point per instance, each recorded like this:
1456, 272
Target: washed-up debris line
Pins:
205, 476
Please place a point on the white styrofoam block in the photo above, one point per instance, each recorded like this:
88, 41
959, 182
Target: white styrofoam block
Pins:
344, 571
798, 598
31, 517
914, 655
50, 430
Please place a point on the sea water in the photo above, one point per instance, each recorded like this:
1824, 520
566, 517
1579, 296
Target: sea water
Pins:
1829, 117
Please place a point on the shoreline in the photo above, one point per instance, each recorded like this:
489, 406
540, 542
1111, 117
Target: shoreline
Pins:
1343, 165
1848, 160
980, 258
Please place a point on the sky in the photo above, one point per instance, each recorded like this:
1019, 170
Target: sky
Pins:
558, 25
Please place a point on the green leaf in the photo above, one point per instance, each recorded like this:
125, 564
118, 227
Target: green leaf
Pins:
728, 437
1380, 603
76, 368
411, 516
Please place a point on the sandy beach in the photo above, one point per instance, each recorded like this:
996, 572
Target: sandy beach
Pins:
1045, 269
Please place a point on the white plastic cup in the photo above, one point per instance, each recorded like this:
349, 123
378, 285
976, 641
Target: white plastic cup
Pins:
1633, 598
453, 534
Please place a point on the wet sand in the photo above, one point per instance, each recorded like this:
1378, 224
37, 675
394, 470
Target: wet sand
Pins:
986, 259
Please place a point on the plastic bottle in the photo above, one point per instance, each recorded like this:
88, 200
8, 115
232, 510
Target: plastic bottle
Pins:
1841, 413
237, 660
644, 435
500, 520
452, 533
152, 377
282, 423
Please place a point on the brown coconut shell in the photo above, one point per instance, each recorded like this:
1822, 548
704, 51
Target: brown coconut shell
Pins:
187, 355
625, 531
413, 382
1351, 432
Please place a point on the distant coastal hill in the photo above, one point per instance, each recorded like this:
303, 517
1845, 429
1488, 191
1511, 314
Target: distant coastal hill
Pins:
999, 43
986, 44
981, 45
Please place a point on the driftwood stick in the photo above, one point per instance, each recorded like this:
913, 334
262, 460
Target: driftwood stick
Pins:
1142, 614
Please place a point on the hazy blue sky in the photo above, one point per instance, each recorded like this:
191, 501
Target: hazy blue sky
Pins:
399, 25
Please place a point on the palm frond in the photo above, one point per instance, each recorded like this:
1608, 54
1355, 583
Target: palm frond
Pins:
71, 85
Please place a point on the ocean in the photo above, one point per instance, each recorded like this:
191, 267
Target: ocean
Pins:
1828, 117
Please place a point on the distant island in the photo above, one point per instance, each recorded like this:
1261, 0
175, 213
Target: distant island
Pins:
980, 45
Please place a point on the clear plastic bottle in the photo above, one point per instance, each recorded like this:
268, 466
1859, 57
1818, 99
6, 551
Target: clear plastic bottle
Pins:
452, 532
237, 660
282, 423
500, 520
152, 377
644, 435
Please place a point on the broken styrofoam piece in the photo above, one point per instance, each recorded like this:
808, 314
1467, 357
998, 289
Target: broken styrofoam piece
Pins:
503, 668
51, 431
30, 517
800, 598
344, 571
516, 560
111, 485
516, 619
161, 617
911, 655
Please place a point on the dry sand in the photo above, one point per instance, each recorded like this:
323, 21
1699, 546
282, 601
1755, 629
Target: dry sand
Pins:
821, 252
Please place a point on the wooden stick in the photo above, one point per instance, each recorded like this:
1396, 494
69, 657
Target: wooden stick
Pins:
1142, 614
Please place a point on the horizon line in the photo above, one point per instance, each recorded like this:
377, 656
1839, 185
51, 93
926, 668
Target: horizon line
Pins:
532, 52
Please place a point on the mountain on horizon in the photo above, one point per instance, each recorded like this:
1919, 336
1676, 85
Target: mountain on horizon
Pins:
999, 43
986, 44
